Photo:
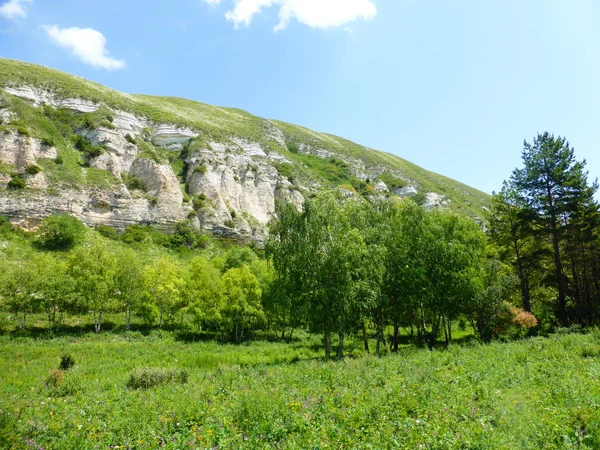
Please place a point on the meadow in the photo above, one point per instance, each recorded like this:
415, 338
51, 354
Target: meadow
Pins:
156, 390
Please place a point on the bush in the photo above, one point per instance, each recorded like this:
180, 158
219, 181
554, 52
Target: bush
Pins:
108, 232
17, 182
149, 377
58, 159
48, 142
293, 147
85, 146
33, 169
60, 232
200, 169
66, 362
132, 182
129, 138
61, 384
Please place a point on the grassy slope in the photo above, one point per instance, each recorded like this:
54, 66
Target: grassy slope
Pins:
219, 123
540, 393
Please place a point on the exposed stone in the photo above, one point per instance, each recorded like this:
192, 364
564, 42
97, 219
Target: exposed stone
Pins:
170, 137
407, 191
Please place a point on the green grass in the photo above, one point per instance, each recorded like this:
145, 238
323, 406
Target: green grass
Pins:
221, 125
540, 393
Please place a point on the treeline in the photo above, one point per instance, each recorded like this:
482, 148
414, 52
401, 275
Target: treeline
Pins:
345, 266
73, 271
342, 266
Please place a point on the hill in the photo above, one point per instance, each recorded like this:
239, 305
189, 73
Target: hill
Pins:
71, 145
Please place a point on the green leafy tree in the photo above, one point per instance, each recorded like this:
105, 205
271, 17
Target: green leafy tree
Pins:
164, 284
60, 232
204, 291
55, 288
128, 282
454, 256
321, 258
489, 311
93, 269
20, 289
242, 309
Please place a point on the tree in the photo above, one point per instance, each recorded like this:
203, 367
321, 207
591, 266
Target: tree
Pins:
242, 308
60, 232
489, 312
128, 282
92, 268
321, 259
20, 289
510, 229
164, 284
553, 186
204, 292
55, 288
405, 282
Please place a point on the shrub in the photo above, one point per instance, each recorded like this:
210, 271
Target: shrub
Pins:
108, 232
48, 142
61, 384
523, 319
132, 182
33, 169
200, 169
148, 377
129, 138
85, 146
17, 182
293, 147
60, 232
66, 362
58, 159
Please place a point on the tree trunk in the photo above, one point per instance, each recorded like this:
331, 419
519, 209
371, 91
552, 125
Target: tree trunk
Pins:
396, 336
365, 337
128, 319
97, 321
327, 339
340, 349
560, 278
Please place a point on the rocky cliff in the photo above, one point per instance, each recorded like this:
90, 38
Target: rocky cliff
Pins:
71, 146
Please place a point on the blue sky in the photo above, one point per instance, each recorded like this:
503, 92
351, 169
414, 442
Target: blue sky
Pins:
454, 86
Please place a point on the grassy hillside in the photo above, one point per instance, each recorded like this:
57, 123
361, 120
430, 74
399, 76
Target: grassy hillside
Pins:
540, 393
221, 124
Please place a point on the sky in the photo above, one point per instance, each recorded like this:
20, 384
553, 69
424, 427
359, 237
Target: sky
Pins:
453, 86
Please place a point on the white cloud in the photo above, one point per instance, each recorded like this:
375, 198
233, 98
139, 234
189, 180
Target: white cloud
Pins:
314, 13
87, 44
245, 10
14, 9
212, 2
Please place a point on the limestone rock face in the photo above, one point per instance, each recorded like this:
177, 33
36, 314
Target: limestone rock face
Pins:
21, 151
433, 200
161, 183
234, 185
407, 191
119, 155
240, 186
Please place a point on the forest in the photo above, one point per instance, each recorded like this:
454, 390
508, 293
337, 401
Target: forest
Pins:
343, 266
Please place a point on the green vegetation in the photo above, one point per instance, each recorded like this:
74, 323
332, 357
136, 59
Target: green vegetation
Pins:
60, 232
536, 394
545, 224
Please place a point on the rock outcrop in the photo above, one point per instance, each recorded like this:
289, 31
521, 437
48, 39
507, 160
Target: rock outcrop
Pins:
142, 169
